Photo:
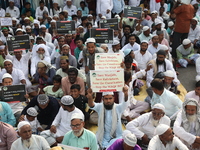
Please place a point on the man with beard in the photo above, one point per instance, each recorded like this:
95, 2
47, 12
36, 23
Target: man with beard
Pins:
64, 53
160, 64
109, 120
127, 32
185, 53
71, 9
145, 35
143, 56
79, 136
155, 46
165, 97
144, 126
27, 140
39, 10
116, 48
165, 140
195, 93
71, 79
187, 124
64, 64
194, 32
47, 36
13, 10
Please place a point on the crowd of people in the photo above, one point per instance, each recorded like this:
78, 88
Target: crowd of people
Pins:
61, 108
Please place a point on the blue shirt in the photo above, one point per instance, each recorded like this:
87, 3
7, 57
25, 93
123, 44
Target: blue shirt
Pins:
118, 6
84, 12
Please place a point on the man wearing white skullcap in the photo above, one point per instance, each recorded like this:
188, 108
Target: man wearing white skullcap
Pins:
71, 9
13, 10
155, 46
165, 140
194, 32
47, 36
40, 10
61, 123
128, 142
187, 124
144, 126
79, 136
185, 53
116, 48
145, 35
170, 28
109, 120
27, 140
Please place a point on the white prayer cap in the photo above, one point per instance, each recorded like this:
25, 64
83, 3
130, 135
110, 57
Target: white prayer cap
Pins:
169, 73
145, 28
191, 102
57, 15
77, 116
80, 27
158, 21
171, 23
11, 0
115, 42
69, 0
63, 11
13, 18
144, 41
67, 100
43, 26
159, 106
195, 19
89, 15
154, 12
7, 60
164, 47
161, 129
22, 123
65, 45
127, 51
19, 29
42, 99
153, 36
28, 27
130, 139
186, 42
90, 40
55, 2
2, 47
26, 18
32, 111
6, 75
107, 93
145, 9
103, 17
53, 21
104, 45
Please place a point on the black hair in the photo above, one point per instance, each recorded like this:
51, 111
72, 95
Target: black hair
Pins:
128, 59
41, 2
27, 3
57, 78
82, 2
70, 70
127, 75
74, 16
127, 26
62, 13
77, 39
88, 23
83, 18
75, 86
157, 84
197, 84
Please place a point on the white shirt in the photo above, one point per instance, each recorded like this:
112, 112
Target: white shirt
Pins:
143, 125
192, 94
153, 49
135, 47
62, 121
71, 11
2, 12
156, 144
143, 37
39, 12
34, 124
47, 37
3, 38
134, 3
142, 60
13, 12
102, 6
194, 34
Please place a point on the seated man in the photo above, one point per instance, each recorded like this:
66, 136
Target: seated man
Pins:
61, 123
165, 140
185, 53
160, 95
79, 136
128, 141
71, 79
48, 108
144, 126
187, 124
109, 120
7, 136
27, 140
195, 93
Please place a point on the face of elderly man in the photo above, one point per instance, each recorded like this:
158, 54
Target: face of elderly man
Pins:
157, 113
190, 110
168, 136
77, 127
168, 80
25, 132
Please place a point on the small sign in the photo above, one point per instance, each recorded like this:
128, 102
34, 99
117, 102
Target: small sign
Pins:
13, 93
132, 12
109, 23
66, 147
102, 35
107, 80
6, 21
104, 61
18, 43
65, 27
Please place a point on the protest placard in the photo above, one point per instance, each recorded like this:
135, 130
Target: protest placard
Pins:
104, 61
65, 27
109, 23
17, 43
132, 12
102, 35
66, 147
13, 93
107, 80
6, 21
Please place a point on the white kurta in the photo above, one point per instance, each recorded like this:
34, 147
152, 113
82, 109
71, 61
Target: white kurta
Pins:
156, 144
153, 49
142, 60
34, 124
143, 125
71, 11
13, 12
192, 94
103, 6
2, 12
143, 37
135, 47
198, 69
62, 121
39, 12
38, 143
194, 34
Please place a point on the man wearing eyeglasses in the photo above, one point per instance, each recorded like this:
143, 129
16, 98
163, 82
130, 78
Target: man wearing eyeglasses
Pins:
79, 136
144, 126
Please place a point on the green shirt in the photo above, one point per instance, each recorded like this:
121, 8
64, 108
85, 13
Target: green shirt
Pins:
1, 61
49, 92
87, 140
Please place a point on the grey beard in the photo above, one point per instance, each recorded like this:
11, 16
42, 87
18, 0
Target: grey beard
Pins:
155, 122
27, 143
191, 118
78, 133
41, 56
